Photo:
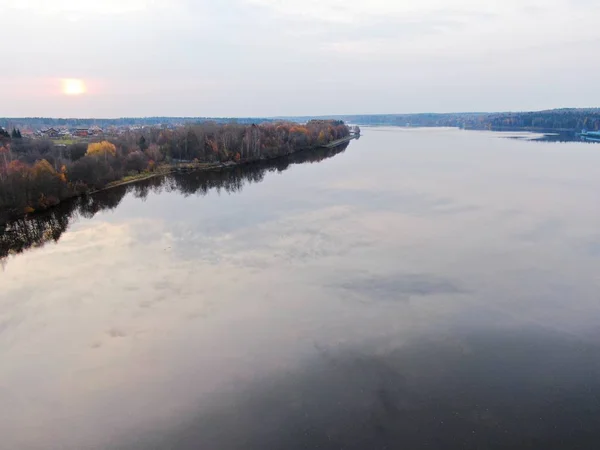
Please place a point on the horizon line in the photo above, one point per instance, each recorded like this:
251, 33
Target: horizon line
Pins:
299, 115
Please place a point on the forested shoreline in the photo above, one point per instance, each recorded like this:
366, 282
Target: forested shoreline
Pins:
47, 226
36, 174
566, 120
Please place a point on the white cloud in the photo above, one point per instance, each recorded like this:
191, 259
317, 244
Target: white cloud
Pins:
357, 10
103, 7
446, 29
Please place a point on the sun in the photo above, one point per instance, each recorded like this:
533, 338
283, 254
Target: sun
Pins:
73, 86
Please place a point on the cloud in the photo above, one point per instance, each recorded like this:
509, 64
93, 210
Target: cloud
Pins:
340, 56
381, 30
104, 7
353, 11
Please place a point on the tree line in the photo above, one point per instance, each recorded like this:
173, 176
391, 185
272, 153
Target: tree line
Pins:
560, 119
569, 119
36, 174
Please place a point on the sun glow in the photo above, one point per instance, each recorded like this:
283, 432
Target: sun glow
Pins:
73, 86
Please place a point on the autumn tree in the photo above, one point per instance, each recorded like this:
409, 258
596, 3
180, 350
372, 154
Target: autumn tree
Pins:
322, 139
46, 184
299, 137
136, 161
15, 191
103, 148
92, 172
153, 152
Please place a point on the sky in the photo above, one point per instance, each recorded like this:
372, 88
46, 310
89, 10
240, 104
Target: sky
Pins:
226, 58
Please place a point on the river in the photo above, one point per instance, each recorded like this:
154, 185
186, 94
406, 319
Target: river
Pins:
419, 289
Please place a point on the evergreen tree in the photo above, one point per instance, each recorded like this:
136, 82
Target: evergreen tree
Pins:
143, 144
14, 134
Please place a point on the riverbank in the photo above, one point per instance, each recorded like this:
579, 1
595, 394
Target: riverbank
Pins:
166, 169
340, 141
199, 167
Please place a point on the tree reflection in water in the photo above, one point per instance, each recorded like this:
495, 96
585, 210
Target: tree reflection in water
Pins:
38, 229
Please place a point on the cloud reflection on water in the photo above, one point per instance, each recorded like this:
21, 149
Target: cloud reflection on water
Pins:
268, 316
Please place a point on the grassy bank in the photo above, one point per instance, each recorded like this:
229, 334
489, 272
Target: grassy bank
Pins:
340, 141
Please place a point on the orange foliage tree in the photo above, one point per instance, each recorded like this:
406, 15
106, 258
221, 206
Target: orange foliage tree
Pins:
63, 174
103, 148
322, 138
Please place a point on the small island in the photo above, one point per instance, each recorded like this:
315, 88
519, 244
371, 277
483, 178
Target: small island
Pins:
39, 170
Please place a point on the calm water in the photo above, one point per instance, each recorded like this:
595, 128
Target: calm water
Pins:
423, 289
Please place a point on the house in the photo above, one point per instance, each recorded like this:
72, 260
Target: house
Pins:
81, 132
50, 133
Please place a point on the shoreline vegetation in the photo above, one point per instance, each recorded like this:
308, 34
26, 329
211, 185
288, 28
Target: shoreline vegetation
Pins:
37, 174
47, 226
205, 167
564, 120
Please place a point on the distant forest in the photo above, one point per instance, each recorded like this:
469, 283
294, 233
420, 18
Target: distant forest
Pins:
37, 173
566, 120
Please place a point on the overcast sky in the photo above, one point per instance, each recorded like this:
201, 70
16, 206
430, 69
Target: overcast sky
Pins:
297, 57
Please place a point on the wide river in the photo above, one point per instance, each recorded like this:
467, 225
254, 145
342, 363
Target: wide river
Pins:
421, 289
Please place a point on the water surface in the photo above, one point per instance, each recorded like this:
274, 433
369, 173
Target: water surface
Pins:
422, 289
